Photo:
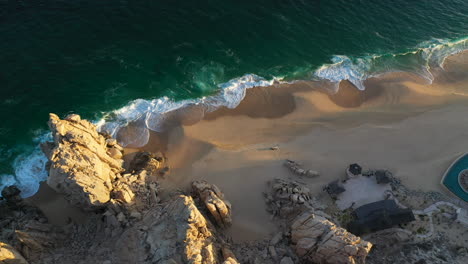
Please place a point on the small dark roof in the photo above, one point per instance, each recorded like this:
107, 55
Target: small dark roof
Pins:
378, 216
355, 169
370, 208
382, 176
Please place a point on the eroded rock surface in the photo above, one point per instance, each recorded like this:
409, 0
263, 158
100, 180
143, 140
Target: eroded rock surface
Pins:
318, 240
214, 201
82, 163
174, 233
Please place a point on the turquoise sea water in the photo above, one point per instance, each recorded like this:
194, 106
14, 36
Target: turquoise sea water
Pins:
93, 57
451, 181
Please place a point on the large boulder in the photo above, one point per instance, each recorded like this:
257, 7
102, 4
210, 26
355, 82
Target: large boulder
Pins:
317, 240
214, 201
80, 163
174, 233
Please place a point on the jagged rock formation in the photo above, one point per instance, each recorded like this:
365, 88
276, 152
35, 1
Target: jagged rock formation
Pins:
318, 240
214, 201
82, 164
314, 238
9, 255
174, 233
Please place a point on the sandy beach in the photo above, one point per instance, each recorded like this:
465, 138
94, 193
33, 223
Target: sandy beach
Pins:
401, 123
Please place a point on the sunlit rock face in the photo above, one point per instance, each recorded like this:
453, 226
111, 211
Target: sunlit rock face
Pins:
82, 164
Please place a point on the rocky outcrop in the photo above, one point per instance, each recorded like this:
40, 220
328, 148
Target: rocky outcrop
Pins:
312, 236
152, 163
82, 163
318, 240
298, 170
174, 233
9, 255
287, 199
214, 201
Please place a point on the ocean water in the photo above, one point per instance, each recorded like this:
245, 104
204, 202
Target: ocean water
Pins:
120, 62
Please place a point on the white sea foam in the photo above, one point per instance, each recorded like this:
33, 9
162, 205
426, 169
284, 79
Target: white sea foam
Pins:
29, 172
156, 114
343, 68
429, 55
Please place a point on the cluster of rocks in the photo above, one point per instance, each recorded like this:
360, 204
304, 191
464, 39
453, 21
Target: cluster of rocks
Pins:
286, 199
314, 238
126, 220
298, 170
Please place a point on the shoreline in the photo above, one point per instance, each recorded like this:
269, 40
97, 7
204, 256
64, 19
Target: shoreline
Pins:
229, 146
382, 127
123, 201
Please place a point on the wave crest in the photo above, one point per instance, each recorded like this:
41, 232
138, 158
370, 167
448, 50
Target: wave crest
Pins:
135, 119
427, 56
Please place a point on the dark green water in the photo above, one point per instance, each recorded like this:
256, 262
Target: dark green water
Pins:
91, 57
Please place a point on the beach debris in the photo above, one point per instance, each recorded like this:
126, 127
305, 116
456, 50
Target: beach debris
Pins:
334, 188
275, 147
214, 201
298, 170
353, 170
318, 240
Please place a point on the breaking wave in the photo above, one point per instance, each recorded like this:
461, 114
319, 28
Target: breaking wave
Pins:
428, 55
29, 169
131, 124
